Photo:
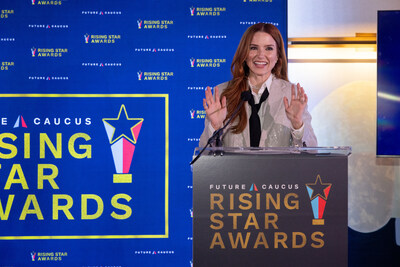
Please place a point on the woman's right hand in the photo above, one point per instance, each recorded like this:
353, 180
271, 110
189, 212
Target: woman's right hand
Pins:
215, 109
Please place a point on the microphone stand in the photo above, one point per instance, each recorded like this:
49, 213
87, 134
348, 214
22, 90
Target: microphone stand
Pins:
217, 134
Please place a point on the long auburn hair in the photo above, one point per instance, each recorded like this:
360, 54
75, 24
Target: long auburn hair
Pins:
240, 71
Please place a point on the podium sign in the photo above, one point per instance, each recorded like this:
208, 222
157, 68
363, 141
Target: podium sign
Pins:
279, 207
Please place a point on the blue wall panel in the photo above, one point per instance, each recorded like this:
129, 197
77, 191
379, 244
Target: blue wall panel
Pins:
76, 79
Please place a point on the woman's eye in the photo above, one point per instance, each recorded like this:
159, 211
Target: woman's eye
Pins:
253, 48
270, 48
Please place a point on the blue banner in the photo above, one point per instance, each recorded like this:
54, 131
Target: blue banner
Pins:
101, 108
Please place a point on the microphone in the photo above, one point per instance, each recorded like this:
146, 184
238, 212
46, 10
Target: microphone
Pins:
244, 96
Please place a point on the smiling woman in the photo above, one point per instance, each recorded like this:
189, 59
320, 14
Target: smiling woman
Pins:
277, 109
261, 59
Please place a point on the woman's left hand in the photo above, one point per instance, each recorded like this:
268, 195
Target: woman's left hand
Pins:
294, 110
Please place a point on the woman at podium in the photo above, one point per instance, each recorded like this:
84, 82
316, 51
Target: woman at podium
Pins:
264, 108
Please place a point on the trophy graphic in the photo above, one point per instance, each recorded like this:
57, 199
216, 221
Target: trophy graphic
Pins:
192, 112
192, 60
139, 23
139, 75
122, 133
318, 193
33, 256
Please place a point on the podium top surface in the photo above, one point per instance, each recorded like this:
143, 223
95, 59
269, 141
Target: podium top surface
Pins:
321, 151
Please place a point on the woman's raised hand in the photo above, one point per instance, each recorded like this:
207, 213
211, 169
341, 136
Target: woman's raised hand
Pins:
215, 108
294, 110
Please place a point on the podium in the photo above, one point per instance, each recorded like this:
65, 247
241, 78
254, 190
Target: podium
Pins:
270, 207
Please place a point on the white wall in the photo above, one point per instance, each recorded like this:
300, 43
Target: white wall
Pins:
342, 101
338, 18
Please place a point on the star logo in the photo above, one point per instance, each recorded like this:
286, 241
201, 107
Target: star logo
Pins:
123, 127
319, 189
318, 193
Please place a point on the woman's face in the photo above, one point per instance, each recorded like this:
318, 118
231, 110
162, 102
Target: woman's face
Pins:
262, 57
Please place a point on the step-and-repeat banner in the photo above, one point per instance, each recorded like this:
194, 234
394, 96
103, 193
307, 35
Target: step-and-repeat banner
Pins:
100, 110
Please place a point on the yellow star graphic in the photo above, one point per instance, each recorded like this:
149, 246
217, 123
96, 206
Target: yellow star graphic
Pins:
123, 126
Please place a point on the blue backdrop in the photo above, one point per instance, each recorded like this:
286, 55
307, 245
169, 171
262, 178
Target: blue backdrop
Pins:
100, 110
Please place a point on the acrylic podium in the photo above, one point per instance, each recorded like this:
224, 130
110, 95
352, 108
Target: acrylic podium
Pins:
270, 207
